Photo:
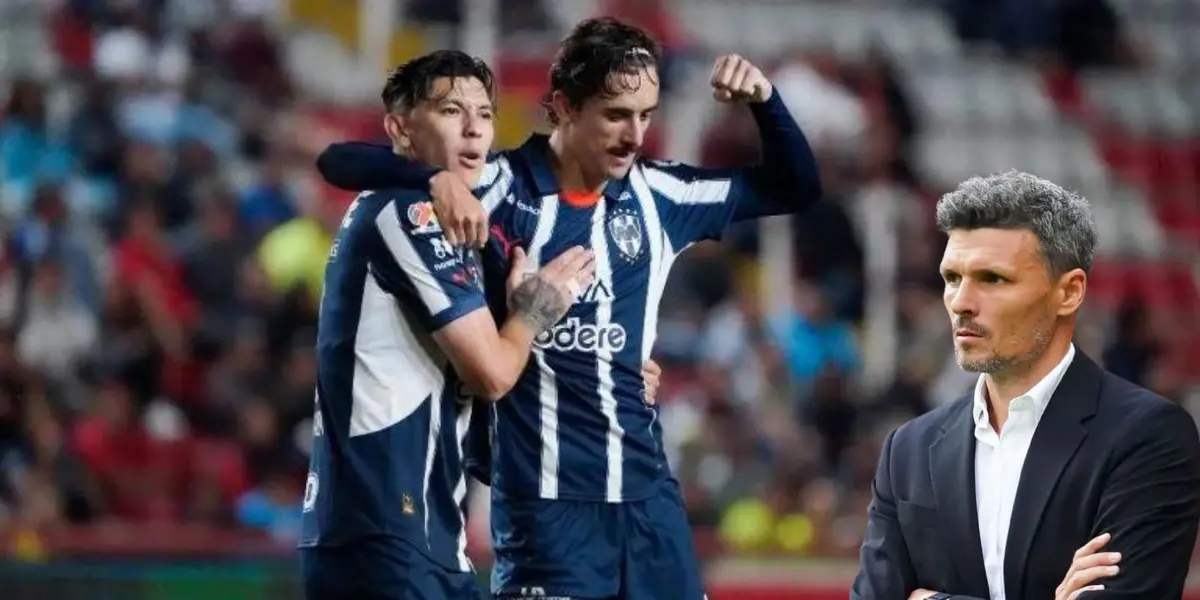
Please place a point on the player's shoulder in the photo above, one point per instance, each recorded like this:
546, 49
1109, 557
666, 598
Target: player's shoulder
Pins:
401, 196
666, 172
411, 210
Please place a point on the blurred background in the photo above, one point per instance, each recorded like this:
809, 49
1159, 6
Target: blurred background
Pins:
164, 235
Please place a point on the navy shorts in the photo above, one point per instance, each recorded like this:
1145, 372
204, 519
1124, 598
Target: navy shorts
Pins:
559, 549
381, 569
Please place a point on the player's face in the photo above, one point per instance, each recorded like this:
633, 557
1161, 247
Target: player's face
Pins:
1002, 303
606, 133
453, 130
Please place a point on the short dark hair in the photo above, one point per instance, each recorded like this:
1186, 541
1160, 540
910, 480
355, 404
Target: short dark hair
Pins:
595, 49
412, 82
1061, 220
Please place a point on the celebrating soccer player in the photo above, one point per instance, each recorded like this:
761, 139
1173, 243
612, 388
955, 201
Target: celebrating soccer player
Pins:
584, 504
382, 506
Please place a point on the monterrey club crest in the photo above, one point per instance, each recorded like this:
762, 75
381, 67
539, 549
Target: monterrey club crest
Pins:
625, 229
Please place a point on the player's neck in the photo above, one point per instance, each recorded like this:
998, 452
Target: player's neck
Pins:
569, 170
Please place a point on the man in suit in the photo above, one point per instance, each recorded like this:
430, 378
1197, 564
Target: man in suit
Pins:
990, 496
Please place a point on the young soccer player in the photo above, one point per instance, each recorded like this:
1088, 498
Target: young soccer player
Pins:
403, 330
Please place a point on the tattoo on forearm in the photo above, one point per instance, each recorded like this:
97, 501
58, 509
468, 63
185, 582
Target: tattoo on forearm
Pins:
538, 304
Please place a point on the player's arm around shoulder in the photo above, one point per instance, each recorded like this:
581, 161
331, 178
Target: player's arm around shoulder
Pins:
490, 360
361, 166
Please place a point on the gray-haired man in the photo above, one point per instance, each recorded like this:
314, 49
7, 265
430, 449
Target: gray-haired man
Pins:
992, 495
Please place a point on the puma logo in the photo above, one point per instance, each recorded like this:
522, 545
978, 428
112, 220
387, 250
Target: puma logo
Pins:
506, 243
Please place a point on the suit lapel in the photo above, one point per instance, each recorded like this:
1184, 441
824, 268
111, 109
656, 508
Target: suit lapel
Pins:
1059, 434
952, 461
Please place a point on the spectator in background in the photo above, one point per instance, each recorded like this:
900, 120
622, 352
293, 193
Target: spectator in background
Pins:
138, 475
1075, 34
268, 203
57, 332
210, 259
29, 152
49, 230
1133, 349
94, 133
813, 339
293, 254
273, 506
252, 57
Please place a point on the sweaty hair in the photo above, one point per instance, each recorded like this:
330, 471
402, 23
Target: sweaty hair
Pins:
1061, 220
412, 82
595, 49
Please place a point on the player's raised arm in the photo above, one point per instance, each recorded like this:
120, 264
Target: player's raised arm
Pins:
787, 180
440, 282
699, 203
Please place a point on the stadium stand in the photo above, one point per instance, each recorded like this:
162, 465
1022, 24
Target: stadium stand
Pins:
164, 234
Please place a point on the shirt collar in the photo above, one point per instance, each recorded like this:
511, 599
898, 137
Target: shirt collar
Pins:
1039, 394
535, 154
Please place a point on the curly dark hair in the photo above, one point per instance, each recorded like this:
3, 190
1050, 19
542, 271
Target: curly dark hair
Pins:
594, 50
412, 82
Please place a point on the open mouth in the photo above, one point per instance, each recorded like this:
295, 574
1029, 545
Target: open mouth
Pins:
470, 159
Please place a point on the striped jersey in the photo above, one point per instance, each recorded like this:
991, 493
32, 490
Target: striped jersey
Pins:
576, 426
391, 424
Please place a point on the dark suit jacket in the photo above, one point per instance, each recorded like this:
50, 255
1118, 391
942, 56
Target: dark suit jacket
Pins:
1107, 457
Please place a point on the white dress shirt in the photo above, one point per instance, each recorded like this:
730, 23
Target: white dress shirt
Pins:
999, 458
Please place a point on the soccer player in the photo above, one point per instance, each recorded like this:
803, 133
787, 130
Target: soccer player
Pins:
583, 503
403, 324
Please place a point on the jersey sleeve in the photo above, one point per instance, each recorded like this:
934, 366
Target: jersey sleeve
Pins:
697, 204
358, 166
418, 266
694, 203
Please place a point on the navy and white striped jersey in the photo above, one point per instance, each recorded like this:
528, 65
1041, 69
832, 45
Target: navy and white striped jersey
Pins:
390, 424
576, 425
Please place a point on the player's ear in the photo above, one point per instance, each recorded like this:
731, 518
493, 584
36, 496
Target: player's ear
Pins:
397, 131
561, 105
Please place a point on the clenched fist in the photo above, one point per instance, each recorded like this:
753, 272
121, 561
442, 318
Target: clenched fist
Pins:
735, 79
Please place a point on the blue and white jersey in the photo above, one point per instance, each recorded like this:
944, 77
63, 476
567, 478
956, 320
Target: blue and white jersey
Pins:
576, 426
390, 425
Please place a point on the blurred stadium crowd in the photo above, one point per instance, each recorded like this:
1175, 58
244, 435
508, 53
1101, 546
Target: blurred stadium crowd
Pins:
164, 237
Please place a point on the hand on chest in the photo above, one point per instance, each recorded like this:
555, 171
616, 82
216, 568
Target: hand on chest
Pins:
615, 231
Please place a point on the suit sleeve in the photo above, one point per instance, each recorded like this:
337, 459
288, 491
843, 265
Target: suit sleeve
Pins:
358, 166
421, 269
1151, 505
885, 571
